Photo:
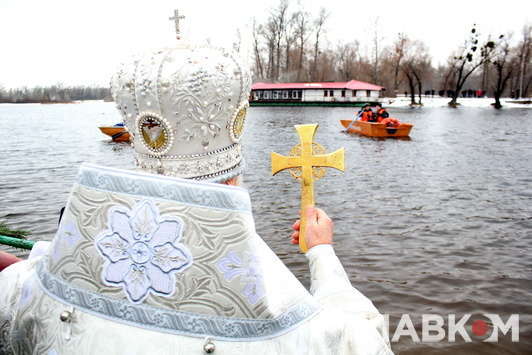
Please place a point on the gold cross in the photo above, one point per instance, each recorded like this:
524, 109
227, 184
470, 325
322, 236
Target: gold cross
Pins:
305, 165
176, 18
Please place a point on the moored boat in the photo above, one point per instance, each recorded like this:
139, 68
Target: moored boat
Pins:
371, 129
117, 132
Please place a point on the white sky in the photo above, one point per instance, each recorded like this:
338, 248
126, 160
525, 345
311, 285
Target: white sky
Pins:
44, 42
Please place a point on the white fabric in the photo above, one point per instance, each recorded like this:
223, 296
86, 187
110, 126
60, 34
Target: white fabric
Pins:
347, 324
39, 249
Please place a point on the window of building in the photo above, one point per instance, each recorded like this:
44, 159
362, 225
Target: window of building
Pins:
343, 93
285, 94
325, 93
266, 95
331, 93
354, 93
368, 93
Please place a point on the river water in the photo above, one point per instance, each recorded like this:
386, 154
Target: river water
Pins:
438, 224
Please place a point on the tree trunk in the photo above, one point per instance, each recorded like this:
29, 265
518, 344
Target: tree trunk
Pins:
412, 87
300, 66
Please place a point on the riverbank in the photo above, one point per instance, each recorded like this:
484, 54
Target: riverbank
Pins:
428, 101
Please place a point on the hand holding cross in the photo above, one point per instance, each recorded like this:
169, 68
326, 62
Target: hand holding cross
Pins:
307, 161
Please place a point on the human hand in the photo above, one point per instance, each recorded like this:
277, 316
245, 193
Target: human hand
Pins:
319, 228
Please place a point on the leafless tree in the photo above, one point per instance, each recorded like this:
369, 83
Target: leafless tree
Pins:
301, 20
397, 56
279, 19
319, 24
376, 41
259, 67
504, 67
416, 65
468, 59
524, 52
346, 57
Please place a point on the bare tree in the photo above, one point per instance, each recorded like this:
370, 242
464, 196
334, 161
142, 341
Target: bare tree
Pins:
319, 27
504, 67
259, 67
525, 49
397, 57
279, 19
415, 66
376, 40
469, 58
269, 33
290, 35
301, 19
346, 56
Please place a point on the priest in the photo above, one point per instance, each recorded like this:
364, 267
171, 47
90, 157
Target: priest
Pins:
165, 259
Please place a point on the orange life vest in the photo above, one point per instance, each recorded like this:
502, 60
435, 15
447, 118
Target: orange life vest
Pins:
367, 116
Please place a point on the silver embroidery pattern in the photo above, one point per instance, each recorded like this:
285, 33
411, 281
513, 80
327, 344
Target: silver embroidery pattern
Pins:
183, 323
193, 166
142, 251
166, 188
199, 91
246, 268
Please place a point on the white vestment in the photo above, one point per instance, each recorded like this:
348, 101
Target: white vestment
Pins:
143, 264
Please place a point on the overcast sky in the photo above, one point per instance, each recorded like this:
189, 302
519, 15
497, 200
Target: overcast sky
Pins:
43, 42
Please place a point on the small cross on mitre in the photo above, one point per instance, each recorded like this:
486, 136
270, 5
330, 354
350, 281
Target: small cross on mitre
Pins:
176, 19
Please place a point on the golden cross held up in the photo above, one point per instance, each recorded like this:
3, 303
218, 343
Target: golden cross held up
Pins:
304, 167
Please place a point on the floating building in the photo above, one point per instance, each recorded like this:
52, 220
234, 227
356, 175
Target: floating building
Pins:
347, 93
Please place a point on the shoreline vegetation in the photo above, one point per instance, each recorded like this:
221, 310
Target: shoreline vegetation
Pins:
291, 45
15, 233
55, 94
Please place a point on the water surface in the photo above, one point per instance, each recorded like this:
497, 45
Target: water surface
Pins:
441, 223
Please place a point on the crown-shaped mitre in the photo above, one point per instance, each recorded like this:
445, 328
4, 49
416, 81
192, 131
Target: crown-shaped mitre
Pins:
185, 108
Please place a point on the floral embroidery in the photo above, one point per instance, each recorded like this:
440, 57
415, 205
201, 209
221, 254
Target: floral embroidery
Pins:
231, 266
67, 237
142, 251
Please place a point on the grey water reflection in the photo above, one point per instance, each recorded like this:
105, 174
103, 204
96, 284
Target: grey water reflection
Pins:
440, 223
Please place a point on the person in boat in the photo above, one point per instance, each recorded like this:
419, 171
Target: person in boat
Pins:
383, 116
381, 113
368, 114
166, 259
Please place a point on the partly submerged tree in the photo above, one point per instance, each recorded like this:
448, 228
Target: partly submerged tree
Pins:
468, 59
504, 67
415, 66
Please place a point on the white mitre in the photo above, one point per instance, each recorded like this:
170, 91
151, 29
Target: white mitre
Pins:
185, 109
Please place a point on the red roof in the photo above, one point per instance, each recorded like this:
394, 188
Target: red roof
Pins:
350, 85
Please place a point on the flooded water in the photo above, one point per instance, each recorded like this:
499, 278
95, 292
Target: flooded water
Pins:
439, 224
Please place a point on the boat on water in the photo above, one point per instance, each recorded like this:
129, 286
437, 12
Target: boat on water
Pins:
117, 132
374, 129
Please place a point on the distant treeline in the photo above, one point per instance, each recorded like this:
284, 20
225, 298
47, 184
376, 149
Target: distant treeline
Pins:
291, 46
53, 94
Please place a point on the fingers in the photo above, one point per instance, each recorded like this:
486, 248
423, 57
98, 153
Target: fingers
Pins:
295, 238
296, 225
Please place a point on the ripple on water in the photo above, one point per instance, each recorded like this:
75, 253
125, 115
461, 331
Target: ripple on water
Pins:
440, 223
